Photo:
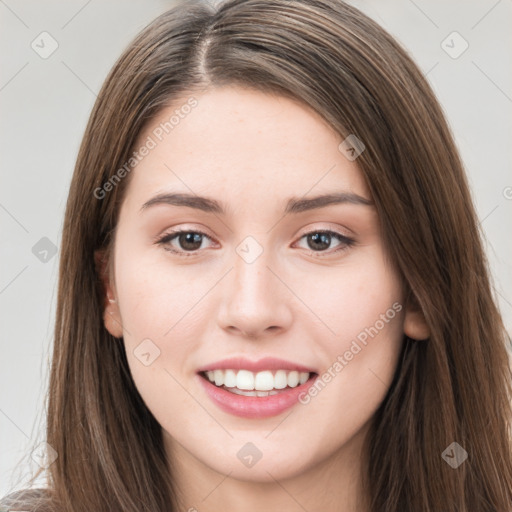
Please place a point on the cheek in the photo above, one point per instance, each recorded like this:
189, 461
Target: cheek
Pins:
162, 312
155, 294
361, 305
352, 298
157, 313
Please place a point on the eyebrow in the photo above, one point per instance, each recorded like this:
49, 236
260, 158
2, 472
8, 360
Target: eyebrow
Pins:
293, 205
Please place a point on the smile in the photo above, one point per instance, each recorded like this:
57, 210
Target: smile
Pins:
263, 383
255, 403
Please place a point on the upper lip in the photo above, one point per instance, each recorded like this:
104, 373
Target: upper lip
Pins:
267, 363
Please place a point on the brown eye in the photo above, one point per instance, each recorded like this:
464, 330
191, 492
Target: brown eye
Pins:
187, 240
320, 241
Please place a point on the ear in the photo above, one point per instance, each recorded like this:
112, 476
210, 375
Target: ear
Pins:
111, 314
415, 325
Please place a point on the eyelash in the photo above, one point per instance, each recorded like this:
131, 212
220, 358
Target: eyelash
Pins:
168, 237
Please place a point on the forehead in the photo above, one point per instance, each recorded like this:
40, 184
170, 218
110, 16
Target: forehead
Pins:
233, 140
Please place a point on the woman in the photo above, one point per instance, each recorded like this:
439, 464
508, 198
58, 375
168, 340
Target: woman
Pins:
272, 283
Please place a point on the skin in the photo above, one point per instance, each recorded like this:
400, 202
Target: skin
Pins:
253, 152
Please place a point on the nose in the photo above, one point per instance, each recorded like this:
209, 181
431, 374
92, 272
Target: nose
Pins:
255, 303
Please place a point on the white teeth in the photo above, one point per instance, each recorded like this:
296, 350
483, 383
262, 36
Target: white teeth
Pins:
280, 379
230, 378
253, 393
263, 382
303, 377
244, 380
293, 379
218, 376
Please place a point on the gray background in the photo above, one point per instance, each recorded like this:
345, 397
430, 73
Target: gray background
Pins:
45, 104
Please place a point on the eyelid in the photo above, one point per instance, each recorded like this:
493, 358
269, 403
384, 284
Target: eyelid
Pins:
174, 232
330, 227
179, 229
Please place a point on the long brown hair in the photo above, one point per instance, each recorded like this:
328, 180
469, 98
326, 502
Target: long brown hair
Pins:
454, 387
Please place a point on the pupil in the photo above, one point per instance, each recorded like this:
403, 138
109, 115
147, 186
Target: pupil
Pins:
323, 238
187, 241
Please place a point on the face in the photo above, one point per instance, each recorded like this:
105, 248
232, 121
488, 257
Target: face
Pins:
259, 274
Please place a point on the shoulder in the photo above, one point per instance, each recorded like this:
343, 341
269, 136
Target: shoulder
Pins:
29, 500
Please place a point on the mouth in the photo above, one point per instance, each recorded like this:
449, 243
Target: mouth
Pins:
259, 384
255, 395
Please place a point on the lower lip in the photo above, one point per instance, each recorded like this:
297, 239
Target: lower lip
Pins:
255, 406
